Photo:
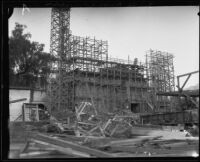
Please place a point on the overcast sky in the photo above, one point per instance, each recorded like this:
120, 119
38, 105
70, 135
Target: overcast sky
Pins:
130, 31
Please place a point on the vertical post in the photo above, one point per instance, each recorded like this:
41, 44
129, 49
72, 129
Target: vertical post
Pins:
128, 87
37, 113
121, 103
179, 98
23, 113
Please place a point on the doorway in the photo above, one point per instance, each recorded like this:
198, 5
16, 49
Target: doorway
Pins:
134, 107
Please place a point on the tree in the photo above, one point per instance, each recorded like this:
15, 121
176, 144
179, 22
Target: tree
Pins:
26, 58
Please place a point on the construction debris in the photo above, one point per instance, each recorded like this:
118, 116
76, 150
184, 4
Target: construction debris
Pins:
95, 134
154, 143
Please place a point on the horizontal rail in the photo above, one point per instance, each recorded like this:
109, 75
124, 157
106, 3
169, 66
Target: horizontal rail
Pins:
18, 100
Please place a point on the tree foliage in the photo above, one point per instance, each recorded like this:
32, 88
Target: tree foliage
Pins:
26, 57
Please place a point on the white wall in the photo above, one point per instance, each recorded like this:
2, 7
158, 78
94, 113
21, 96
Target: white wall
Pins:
39, 96
15, 109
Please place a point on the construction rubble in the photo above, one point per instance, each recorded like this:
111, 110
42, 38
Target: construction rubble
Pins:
98, 135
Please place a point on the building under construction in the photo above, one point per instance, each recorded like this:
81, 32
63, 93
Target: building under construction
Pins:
83, 72
105, 107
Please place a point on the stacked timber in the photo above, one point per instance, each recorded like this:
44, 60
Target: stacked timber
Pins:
96, 135
143, 143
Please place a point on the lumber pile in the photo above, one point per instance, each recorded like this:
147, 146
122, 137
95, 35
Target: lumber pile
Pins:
154, 143
67, 146
93, 123
101, 135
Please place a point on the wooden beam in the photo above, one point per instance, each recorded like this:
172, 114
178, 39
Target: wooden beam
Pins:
188, 77
18, 100
34, 154
65, 150
153, 149
69, 144
188, 74
67, 137
192, 93
106, 124
132, 142
149, 105
113, 131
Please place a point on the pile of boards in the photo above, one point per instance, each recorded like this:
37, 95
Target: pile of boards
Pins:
87, 121
94, 134
144, 142
90, 122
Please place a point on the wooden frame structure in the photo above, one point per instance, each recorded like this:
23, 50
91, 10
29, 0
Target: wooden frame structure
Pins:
160, 71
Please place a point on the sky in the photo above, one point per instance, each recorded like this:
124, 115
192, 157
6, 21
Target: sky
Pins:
130, 31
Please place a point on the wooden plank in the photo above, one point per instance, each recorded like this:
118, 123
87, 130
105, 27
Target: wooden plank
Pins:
102, 131
133, 141
193, 93
106, 124
183, 154
113, 131
80, 110
50, 155
176, 144
100, 142
67, 137
64, 150
96, 128
18, 100
151, 149
69, 144
148, 154
188, 73
38, 147
33, 154
123, 154
189, 139
149, 104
